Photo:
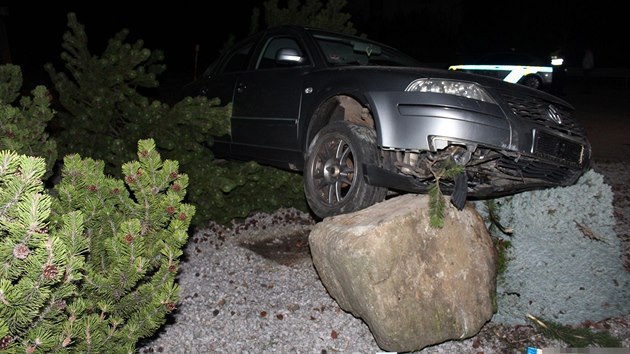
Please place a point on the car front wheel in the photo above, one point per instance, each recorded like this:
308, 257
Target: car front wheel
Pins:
333, 175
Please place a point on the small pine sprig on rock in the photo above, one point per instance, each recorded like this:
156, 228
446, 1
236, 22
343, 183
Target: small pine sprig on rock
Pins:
442, 170
93, 268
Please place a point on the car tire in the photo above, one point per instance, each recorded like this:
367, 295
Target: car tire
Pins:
334, 180
531, 81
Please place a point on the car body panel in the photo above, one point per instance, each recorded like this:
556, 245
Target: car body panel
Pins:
403, 117
266, 108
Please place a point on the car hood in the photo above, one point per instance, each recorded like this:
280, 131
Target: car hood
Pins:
484, 81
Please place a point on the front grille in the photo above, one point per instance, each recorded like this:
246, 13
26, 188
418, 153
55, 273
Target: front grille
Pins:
558, 149
532, 169
538, 110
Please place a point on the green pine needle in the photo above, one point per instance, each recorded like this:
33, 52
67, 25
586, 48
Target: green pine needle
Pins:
452, 171
437, 203
576, 337
436, 206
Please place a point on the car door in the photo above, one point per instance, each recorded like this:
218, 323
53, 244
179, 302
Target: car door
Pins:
219, 81
267, 103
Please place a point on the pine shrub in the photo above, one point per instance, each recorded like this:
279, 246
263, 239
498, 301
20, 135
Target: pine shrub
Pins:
90, 266
101, 97
328, 15
23, 126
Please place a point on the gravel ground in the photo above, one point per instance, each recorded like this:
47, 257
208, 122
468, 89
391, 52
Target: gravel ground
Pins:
252, 288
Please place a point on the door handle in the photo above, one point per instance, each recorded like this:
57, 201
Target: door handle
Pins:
240, 87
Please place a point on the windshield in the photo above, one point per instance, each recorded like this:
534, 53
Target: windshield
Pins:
340, 51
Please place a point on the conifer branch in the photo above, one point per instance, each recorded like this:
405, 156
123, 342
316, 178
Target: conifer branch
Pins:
576, 337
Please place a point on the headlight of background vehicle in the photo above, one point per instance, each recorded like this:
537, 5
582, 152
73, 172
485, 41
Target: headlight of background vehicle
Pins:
450, 87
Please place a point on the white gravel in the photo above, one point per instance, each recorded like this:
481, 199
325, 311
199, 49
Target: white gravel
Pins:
234, 300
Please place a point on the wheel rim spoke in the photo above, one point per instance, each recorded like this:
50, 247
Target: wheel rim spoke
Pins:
346, 163
333, 193
334, 170
346, 178
341, 150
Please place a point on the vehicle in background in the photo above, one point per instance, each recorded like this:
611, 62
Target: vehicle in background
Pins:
515, 67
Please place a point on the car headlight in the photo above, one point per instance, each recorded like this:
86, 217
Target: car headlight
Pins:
450, 87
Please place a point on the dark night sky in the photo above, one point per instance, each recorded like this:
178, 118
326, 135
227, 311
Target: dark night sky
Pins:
35, 37
426, 29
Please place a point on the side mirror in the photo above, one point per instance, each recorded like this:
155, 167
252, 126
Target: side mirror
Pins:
289, 56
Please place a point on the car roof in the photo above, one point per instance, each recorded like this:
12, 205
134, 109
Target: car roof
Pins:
323, 32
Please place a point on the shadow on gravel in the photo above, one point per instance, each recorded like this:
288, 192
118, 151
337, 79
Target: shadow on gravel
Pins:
285, 249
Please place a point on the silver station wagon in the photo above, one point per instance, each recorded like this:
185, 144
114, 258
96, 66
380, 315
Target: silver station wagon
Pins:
361, 120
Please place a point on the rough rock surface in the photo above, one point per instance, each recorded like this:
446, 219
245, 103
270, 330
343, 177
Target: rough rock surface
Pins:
414, 285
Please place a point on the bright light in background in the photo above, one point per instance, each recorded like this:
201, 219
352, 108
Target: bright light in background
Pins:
556, 61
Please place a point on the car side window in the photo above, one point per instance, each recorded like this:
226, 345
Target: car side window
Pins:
239, 59
268, 58
340, 51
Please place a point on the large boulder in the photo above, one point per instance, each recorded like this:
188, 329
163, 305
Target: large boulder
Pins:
414, 285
